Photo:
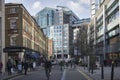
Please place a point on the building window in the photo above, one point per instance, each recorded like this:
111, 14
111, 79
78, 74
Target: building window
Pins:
12, 10
13, 23
113, 17
13, 40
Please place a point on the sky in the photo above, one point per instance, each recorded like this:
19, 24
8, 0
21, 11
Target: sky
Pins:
80, 7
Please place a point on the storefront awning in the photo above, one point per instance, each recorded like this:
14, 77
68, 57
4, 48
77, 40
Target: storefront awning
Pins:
13, 49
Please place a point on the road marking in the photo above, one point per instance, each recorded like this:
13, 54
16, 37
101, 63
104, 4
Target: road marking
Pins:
86, 76
64, 74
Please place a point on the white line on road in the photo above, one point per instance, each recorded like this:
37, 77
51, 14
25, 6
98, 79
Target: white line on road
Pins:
64, 74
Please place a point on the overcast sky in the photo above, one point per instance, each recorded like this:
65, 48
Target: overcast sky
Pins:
80, 7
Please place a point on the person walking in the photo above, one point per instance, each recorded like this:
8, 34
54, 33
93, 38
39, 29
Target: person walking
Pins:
48, 66
25, 67
61, 65
34, 65
1, 65
9, 67
19, 67
71, 63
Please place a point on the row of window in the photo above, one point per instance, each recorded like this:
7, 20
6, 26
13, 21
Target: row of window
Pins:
110, 34
13, 40
113, 32
27, 28
13, 10
27, 42
13, 24
100, 39
113, 17
58, 30
58, 27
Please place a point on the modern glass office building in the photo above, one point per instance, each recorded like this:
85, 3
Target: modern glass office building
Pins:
62, 39
57, 20
45, 18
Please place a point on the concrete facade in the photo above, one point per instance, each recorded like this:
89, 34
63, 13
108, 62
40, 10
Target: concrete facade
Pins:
2, 33
105, 28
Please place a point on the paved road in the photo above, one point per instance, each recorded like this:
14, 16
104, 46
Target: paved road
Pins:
75, 74
40, 75
66, 74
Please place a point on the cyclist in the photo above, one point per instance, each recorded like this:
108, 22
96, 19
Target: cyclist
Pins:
48, 66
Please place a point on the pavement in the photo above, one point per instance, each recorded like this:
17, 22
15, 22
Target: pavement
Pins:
74, 74
107, 73
5, 76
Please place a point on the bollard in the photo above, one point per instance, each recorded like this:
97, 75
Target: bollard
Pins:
102, 72
92, 69
112, 71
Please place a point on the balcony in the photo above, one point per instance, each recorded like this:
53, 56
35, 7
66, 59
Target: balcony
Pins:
113, 24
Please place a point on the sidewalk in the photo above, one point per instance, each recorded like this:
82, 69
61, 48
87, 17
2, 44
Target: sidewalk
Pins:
107, 73
5, 76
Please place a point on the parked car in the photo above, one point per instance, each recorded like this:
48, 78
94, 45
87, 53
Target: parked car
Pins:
54, 62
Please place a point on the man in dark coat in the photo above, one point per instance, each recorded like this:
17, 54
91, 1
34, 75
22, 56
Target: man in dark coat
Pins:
9, 66
25, 67
1, 65
48, 66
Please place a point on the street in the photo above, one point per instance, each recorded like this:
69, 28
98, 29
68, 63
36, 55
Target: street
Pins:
66, 74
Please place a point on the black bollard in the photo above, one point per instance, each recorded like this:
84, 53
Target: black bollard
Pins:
92, 69
102, 72
112, 71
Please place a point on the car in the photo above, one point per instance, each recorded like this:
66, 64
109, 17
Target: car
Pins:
54, 62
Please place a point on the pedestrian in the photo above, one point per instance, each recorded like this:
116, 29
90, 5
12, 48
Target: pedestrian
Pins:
25, 67
31, 66
61, 65
9, 67
19, 67
71, 63
1, 65
34, 65
48, 66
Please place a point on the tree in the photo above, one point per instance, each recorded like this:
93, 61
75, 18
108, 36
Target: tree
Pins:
81, 41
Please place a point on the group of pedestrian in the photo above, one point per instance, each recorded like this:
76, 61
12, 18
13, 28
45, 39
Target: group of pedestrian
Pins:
24, 65
20, 67
67, 63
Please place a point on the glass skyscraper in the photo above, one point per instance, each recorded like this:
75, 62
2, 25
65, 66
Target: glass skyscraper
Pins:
45, 18
61, 39
58, 23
